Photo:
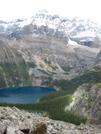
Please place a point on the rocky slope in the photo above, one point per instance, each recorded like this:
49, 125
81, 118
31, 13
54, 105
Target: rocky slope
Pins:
32, 59
87, 102
15, 121
98, 60
45, 46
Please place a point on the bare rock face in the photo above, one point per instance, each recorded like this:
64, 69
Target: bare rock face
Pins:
87, 103
17, 121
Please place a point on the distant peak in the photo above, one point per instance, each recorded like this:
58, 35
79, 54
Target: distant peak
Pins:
43, 14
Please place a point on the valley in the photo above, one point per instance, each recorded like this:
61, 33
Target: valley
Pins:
31, 62
53, 52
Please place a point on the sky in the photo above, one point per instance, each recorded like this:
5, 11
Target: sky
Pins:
85, 9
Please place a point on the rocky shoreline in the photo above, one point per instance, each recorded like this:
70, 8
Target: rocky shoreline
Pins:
15, 121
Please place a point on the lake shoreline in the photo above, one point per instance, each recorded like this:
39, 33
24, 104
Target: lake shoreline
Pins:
24, 95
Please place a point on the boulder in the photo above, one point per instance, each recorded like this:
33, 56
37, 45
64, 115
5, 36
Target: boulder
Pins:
39, 128
3, 129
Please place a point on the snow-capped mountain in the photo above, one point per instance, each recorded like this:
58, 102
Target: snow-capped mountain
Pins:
77, 29
46, 46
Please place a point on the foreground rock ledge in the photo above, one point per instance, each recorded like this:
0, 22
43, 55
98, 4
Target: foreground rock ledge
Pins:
15, 121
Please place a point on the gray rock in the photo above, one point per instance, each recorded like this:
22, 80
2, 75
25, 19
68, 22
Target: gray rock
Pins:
3, 129
32, 123
87, 103
19, 132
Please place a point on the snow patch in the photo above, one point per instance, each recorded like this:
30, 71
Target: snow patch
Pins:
74, 27
70, 42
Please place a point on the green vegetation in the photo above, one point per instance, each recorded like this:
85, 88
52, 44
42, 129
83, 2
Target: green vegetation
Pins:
89, 98
54, 108
68, 87
54, 103
51, 72
98, 84
31, 64
47, 61
66, 68
41, 65
53, 67
90, 76
14, 74
53, 95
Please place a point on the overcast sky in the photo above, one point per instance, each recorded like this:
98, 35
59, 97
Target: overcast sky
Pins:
87, 9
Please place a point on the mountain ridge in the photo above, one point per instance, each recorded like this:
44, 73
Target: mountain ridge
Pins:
50, 51
44, 46
81, 31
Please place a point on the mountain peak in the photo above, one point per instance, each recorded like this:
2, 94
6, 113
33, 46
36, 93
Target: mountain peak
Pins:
79, 30
42, 14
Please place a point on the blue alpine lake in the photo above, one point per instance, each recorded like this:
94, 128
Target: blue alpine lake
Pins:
24, 95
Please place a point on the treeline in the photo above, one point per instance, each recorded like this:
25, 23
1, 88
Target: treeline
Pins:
55, 103
54, 107
53, 95
90, 76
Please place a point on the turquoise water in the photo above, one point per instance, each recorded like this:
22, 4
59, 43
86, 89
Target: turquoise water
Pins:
23, 95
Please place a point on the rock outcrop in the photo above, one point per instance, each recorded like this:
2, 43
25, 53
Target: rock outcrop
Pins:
15, 121
87, 102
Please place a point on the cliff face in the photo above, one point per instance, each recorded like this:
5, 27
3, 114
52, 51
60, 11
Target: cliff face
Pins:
15, 121
23, 61
87, 102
